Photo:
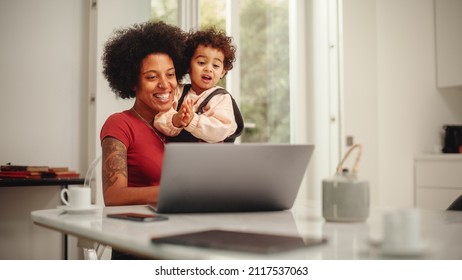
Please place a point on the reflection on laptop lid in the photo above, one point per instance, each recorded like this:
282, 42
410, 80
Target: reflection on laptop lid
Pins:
231, 177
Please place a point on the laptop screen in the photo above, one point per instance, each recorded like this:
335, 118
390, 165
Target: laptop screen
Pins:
231, 177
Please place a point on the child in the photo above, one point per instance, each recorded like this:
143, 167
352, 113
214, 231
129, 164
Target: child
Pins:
204, 112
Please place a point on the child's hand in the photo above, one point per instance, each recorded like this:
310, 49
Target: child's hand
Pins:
184, 116
188, 109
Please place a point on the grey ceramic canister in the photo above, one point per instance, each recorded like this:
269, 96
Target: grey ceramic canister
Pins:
345, 199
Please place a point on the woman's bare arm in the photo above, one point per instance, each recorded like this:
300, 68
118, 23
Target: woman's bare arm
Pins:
115, 182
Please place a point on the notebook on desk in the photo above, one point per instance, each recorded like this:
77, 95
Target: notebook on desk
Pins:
231, 177
240, 241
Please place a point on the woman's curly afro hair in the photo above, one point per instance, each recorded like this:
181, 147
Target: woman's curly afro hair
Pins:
125, 50
215, 38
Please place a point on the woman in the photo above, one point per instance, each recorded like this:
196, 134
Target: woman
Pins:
143, 62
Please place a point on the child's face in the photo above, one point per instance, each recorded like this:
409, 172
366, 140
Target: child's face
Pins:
206, 68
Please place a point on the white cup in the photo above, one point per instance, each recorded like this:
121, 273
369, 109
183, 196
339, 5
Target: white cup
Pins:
77, 197
401, 230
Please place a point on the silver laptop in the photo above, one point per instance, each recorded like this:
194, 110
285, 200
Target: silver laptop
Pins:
231, 177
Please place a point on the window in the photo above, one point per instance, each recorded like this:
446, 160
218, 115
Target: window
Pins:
264, 77
165, 10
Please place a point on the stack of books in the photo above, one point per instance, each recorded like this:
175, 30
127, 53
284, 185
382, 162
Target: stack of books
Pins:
35, 172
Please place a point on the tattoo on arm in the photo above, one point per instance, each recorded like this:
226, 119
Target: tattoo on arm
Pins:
114, 161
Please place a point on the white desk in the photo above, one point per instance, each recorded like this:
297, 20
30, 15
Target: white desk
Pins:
442, 231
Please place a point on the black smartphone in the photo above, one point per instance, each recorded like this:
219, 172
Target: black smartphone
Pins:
138, 217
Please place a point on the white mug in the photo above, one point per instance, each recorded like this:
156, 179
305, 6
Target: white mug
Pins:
401, 230
77, 197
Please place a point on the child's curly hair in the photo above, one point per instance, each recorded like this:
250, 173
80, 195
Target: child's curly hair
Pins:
125, 50
211, 37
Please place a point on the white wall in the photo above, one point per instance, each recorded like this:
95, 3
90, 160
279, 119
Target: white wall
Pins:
43, 81
392, 104
360, 99
43, 78
309, 45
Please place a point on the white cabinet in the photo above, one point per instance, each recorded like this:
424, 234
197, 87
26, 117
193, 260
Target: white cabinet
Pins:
448, 17
437, 180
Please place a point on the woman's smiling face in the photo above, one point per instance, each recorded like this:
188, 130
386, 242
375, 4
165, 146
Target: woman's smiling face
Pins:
157, 82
